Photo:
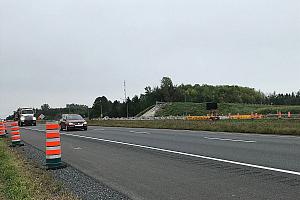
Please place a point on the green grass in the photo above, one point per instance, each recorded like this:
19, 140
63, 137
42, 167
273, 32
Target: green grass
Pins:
265, 126
283, 109
20, 180
188, 108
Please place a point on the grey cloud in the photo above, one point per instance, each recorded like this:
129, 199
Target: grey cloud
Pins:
48, 48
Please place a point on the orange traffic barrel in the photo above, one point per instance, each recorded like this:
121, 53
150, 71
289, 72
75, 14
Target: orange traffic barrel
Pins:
15, 134
2, 129
53, 148
5, 126
279, 115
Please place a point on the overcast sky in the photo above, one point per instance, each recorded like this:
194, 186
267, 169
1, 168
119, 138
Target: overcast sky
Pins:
71, 51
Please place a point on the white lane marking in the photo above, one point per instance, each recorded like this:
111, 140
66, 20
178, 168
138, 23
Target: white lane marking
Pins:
34, 129
140, 132
77, 148
99, 129
228, 139
188, 154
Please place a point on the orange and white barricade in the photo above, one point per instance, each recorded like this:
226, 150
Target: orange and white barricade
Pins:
53, 148
15, 134
2, 129
5, 126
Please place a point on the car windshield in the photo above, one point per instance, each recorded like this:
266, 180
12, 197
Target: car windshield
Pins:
27, 111
74, 117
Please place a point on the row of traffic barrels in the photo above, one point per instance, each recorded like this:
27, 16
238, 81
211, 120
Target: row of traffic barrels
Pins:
53, 145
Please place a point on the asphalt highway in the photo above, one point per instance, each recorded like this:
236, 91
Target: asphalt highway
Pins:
178, 164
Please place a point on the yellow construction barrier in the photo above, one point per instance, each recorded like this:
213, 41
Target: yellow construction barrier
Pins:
241, 117
195, 118
256, 116
238, 116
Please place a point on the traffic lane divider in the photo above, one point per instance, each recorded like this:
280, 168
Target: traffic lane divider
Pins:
2, 129
53, 147
15, 134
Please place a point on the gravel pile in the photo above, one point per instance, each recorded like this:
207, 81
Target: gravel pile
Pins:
83, 186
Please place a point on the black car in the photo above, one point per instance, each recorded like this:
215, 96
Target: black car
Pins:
72, 122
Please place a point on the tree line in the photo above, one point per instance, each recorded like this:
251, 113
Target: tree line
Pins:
168, 92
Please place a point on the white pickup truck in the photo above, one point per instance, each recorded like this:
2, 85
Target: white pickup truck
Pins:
25, 116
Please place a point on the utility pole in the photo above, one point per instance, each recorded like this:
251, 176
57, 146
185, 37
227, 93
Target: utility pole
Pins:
127, 110
125, 100
125, 96
101, 111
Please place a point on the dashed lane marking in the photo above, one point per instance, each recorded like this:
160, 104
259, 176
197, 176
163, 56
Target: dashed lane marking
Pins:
140, 132
98, 129
228, 139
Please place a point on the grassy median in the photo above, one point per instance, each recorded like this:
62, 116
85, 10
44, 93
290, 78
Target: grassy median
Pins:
22, 180
264, 126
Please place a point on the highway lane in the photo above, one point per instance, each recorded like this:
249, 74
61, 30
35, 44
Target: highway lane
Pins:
152, 174
276, 151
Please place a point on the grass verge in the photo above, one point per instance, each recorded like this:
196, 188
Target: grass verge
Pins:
196, 109
21, 180
265, 126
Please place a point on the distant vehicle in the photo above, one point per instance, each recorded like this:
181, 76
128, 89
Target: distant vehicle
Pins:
72, 121
25, 116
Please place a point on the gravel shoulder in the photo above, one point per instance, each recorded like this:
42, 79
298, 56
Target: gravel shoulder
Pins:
83, 186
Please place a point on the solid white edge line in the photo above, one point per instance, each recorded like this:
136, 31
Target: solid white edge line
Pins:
188, 154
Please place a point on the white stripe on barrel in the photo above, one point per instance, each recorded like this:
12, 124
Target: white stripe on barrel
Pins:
53, 148
53, 156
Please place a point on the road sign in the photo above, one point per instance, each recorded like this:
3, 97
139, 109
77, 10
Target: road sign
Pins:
41, 116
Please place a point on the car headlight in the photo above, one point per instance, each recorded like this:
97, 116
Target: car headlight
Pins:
22, 118
34, 118
70, 123
84, 122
